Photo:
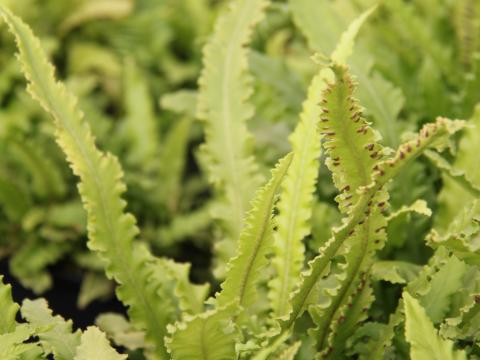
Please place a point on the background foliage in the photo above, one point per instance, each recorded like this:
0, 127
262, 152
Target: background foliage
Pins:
196, 133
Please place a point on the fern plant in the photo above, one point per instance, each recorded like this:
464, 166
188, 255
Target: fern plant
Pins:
281, 292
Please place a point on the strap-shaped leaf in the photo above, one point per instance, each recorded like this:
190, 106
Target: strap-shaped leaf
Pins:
358, 251
349, 318
111, 230
225, 87
349, 140
139, 126
382, 100
94, 345
295, 206
296, 199
431, 135
244, 271
424, 340
352, 153
345, 48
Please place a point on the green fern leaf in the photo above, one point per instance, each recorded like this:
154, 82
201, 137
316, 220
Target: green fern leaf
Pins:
47, 181
111, 229
297, 194
373, 340
209, 336
12, 346
55, 334
8, 308
349, 318
290, 352
425, 342
139, 126
120, 330
461, 179
352, 153
225, 87
432, 135
296, 200
350, 142
191, 297
255, 242
94, 345
382, 100
345, 48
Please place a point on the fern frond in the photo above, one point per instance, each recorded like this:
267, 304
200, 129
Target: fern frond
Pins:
209, 336
461, 180
345, 46
461, 234
243, 271
94, 345
295, 207
29, 263
290, 352
8, 308
467, 26
352, 153
296, 200
139, 125
423, 337
431, 135
93, 10
349, 318
47, 181
350, 142
373, 340
120, 330
12, 346
190, 297
225, 87
382, 100
111, 230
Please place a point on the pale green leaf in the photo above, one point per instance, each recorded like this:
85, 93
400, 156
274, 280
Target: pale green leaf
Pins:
225, 87
111, 229
12, 346
183, 102
425, 342
244, 271
8, 308
209, 336
296, 199
394, 271
55, 334
96, 10
120, 331
345, 47
94, 286
94, 345
419, 207
140, 124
